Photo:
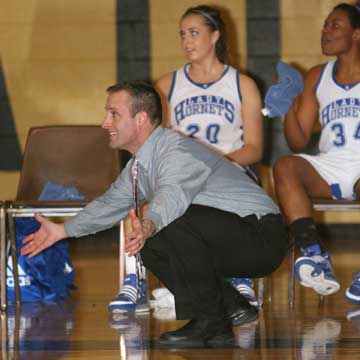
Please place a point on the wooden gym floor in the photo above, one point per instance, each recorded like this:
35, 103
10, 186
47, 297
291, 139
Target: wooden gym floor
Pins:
82, 328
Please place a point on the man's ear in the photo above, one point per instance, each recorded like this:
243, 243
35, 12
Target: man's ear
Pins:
141, 117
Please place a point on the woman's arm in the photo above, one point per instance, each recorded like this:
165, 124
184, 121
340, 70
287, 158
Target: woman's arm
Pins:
303, 113
253, 135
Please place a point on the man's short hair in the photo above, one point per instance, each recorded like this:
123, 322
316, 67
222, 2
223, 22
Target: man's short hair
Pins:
143, 97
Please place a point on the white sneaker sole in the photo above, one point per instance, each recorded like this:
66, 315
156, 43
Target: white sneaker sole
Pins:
321, 285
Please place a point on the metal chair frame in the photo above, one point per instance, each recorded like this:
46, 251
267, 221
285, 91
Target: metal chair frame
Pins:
3, 257
59, 209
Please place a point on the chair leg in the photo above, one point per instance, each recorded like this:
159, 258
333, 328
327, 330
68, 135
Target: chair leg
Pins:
269, 287
14, 257
3, 259
260, 292
291, 281
121, 254
4, 336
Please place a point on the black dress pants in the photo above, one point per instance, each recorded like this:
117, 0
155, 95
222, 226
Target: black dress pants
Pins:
194, 254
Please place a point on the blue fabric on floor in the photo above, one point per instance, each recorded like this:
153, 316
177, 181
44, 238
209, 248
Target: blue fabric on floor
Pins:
49, 275
279, 97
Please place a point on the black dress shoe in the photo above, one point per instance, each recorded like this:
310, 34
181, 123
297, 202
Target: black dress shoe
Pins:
243, 314
198, 332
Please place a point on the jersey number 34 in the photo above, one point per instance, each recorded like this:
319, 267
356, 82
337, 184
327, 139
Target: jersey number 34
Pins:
340, 136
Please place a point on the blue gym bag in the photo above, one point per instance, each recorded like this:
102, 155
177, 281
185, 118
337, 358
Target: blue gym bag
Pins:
49, 275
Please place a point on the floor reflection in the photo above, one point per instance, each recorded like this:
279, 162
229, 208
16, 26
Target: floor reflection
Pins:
319, 341
32, 330
354, 316
245, 335
43, 331
309, 330
134, 332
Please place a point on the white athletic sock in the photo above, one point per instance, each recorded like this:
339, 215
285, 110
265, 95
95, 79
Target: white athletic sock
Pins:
130, 267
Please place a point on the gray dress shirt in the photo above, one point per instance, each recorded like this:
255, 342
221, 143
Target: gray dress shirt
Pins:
175, 171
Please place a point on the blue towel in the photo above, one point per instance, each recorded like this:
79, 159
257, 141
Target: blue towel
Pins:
53, 191
279, 97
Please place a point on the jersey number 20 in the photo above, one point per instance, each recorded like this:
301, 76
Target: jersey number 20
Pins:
211, 132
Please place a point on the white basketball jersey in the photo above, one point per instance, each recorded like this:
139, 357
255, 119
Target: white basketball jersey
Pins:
210, 112
339, 113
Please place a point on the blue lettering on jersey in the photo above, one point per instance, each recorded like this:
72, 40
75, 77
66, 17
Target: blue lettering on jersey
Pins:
340, 109
204, 104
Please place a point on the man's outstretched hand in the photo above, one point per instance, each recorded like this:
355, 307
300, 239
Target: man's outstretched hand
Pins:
141, 231
48, 234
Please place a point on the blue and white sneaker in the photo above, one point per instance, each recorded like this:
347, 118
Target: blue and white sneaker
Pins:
314, 269
352, 293
245, 287
130, 298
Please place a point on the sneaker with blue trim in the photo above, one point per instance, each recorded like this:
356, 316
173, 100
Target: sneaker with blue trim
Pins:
245, 287
314, 269
352, 293
126, 300
131, 298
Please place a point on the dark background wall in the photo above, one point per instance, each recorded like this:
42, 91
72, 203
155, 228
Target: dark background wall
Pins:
133, 59
10, 154
263, 52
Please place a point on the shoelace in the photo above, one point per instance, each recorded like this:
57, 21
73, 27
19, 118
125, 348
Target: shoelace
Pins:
310, 252
142, 288
326, 263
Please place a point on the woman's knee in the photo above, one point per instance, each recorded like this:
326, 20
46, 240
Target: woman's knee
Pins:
284, 168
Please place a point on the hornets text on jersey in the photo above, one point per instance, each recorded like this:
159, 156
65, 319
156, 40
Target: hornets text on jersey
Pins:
210, 112
339, 112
